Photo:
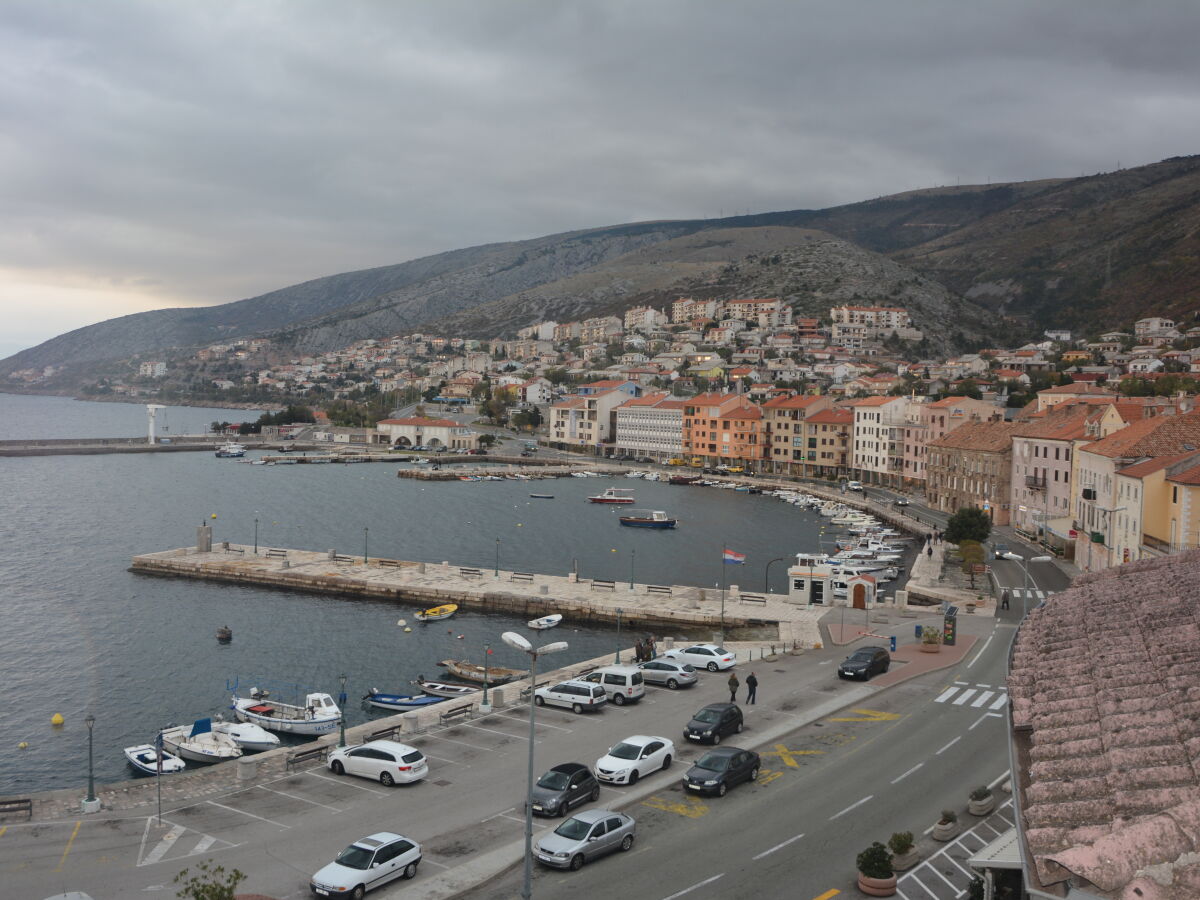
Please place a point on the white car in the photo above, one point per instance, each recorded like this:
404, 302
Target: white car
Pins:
704, 656
386, 761
579, 696
367, 864
634, 757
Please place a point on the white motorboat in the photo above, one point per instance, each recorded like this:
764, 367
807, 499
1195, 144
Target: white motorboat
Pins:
231, 449
199, 743
144, 758
318, 715
445, 689
247, 735
545, 622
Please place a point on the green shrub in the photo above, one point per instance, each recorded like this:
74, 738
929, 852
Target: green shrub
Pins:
981, 793
875, 862
949, 817
931, 634
900, 842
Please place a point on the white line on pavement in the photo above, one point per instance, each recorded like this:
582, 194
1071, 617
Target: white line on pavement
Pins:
964, 697
779, 846
962, 683
464, 743
519, 737
999, 778
945, 695
975, 658
852, 806
163, 846
203, 844
977, 721
999, 701
345, 782
524, 720
983, 685
948, 746
302, 799
982, 699
244, 813
906, 774
496, 815
698, 884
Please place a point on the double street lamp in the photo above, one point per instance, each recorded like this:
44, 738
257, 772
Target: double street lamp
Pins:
342, 709
617, 657
518, 642
1025, 568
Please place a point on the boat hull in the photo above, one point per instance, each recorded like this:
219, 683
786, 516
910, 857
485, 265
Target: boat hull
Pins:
248, 736
471, 672
443, 690
144, 758
437, 613
647, 523
325, 724
402, 701
545, 622
610, 500
206, 749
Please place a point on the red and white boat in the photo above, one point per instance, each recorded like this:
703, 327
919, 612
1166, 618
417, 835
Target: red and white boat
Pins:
613, 495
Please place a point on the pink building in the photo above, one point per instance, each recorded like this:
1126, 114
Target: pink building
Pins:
928, 422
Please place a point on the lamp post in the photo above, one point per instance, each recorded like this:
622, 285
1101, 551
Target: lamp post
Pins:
365, 531
1025, 568
90, 721
496, 569
342, 709
486, 704
767, 573
617, 657
256, 535
632, 557
519, 643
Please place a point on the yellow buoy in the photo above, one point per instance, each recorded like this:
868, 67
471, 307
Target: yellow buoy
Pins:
24, 745
56, 719
214, 515
409, 628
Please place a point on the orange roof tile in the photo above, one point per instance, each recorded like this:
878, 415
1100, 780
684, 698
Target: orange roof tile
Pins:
994, 436
832, 417
1157, 436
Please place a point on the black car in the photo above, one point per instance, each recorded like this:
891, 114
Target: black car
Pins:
865, 662
720, 769
714, 722
901, 501
563, 787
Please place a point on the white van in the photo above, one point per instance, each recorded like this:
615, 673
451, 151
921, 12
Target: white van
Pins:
576, 695
622, 684
854, 486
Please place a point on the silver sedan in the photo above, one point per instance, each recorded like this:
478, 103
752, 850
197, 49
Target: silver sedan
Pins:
584, 837
670, 672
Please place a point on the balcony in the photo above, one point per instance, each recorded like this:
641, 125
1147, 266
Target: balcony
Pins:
1157, 544
1035, 482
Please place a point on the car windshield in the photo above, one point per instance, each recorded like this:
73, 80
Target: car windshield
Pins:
355, 857
862, 655
688, 668
555, 781
708, 716
625, 751
715, 761
573, 829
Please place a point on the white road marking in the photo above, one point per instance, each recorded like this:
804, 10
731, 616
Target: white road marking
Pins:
975, 658
497, 815
203, 844
983, 685
962, 683
244, 813
945, 695
161, 848
698, 884
948, 746
852, 806
964, 696
360, 787
525, 721
464, 743
779, 846
906, 774
983, 698
520, 737
443, 759
824, 662
999, 778
977, 721
999, 701
430, 862
334, 809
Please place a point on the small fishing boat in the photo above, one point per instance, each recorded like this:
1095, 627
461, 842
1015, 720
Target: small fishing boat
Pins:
144, 758
469, 478
199, 743
648, 518
400, 701
542, 496
231, 450
443, 689
545, 622
435, 613
318, 715
224, 634
472, 672
247, 735
612, 495
683, 479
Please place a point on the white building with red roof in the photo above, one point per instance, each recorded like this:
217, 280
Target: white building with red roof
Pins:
421, 431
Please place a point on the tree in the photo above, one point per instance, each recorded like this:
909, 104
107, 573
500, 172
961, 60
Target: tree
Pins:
968, 524
209, 883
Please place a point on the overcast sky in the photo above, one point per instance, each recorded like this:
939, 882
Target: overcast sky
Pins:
189, 153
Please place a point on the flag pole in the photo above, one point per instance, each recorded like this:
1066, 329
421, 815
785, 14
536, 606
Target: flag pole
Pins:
158, 752
722, 595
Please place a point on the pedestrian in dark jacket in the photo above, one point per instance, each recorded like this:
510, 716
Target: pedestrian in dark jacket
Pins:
751, 688
929, 551
1004, 600
639, 651
734, 684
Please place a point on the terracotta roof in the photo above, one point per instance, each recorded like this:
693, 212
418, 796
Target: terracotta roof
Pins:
1157, 436
608, 383
1154, 464
744, 412
995, 436
569, 403
1079, 388
871, 401
1065, 422
1187, 476
1105, 691
418, 420
832, 417
802, 401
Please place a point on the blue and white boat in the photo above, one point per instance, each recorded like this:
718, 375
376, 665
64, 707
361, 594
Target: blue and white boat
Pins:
648, 518
400, 701
231, 450
318, 715
144, 758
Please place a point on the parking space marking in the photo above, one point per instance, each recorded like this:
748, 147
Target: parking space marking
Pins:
868, 715
438, 737
519, 737
698, 884
454, 762
525, 720
497, 815
203, 844
313, 773
67, 849
788, 757
690, 807
832, 892
244, 813
778, 846
161, 848
333, 809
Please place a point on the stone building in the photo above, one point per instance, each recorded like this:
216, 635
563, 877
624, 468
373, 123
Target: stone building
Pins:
972, 467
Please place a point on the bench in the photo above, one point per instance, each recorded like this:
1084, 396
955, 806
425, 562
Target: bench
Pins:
586, 670
24, 805
297, 757
383, 733
277, 554
603, 585
338, 558
394, 563
453, 715
469, 573
526, 692
754, 598
238, 550
521, 576
658, 589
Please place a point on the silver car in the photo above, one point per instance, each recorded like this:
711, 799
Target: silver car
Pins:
585, 836
671, 672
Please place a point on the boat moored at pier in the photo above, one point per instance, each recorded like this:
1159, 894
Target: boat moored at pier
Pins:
318, 715
199, 743
144, 758
400, 701
247, 735
648, 518
231, 450
472, 672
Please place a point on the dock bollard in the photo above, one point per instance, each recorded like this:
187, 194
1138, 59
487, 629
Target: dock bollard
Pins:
247, 768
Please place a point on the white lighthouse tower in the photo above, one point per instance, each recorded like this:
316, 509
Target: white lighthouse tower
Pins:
151, 414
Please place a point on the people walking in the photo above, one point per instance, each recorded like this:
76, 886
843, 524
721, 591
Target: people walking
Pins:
1004, 599
651, 648
639, 651
929, 551
751, 688
734, 684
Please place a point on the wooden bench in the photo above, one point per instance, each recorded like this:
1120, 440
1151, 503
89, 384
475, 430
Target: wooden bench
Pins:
277, 554
658, 589
603, 585
237, 550
394, 563
526, 692
521, 576
383, 733
469, 573
454, 715
12, 807
338, 558
586, 670
297, 757
754, 598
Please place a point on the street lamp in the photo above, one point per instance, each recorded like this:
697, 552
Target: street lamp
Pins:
1025, 568
486, 705
365, 530
632, 557
617, 658
517, 642
767, 572
256, 535
496, 570
90, 721
342, 708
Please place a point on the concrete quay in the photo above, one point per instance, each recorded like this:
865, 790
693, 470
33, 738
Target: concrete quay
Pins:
93, 446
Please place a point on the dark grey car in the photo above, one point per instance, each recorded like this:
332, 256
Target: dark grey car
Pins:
865, 662
714, 722
584, 837
563, 787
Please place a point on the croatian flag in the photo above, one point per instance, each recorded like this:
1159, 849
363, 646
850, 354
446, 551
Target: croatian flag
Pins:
732, 557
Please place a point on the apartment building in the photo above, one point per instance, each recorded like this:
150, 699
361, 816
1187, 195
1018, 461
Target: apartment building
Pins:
972, 467
831, 429
852, 325
586, 421
769, 313
791, 445
925, 422
651, 425
644, 318
723, 428
878, 439
685, 310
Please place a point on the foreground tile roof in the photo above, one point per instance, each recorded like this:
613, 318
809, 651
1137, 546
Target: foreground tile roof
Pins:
978, 436
1105, 688
1158, 436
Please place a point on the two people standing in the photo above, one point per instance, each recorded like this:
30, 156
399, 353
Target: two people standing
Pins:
751, 688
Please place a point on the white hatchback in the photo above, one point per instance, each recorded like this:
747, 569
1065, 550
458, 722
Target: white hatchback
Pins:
386, 761
634, 757
367, 864
704, 656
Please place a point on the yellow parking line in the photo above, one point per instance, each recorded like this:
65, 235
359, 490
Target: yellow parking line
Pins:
3, 828
68, 847
828, 894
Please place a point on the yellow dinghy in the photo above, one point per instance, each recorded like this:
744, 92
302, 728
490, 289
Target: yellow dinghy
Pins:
438, 612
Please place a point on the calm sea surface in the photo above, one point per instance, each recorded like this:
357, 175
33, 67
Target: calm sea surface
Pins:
81, 634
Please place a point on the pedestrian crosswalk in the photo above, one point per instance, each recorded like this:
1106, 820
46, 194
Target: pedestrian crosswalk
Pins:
1031, 596
975, 696
174, 842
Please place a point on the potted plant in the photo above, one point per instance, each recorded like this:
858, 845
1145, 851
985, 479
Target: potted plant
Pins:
947, 827
975, 889
931, 639
982, 801
904, 854
876, 877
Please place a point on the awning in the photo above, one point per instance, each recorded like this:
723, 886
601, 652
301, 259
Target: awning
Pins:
1002, 853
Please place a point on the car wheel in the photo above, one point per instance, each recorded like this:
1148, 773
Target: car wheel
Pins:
673, 684
627, 842
619, 699
716, 739
358, 892
633, 777
338, 768
539, 701
576, 708
410, 871
386, 779
595, 793
667, 761
886, 666
576, 862
754, 774
721, 789
739, 728
712, 667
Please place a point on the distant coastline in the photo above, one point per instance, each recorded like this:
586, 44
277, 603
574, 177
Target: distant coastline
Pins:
178, 401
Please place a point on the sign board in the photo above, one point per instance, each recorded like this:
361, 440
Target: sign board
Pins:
979, 568
949, 630
1072, 534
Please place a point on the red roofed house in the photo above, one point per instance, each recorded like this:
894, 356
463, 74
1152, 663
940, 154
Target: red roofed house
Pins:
723, 428
926, 422
972, 467
588, 420
877, 454
789, 444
